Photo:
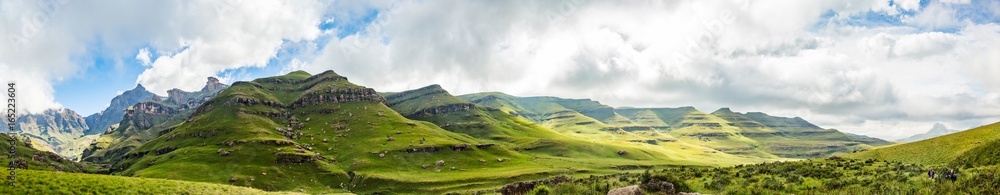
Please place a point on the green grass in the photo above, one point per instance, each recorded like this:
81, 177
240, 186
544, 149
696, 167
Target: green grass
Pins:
943, 149
818, 176
48, 182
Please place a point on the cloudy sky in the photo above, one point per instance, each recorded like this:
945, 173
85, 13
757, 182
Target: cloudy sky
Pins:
888, 69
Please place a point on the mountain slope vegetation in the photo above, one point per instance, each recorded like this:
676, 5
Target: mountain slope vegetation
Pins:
969, 148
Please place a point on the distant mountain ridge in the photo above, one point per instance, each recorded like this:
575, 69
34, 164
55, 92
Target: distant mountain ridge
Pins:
752, 133
61, 131
66, 133
99, 122
937, 130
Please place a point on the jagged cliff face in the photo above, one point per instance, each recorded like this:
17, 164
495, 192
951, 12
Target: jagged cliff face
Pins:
99, 122
177, 96
143, 121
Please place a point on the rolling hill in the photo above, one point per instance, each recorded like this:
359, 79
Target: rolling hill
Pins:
937, 130
969, 148
43, 172
434, 104
751, 134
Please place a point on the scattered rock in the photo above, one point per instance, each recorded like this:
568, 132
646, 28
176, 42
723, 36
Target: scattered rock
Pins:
223, 152
460, 147
482, 161
627, 190
425, 166
391, 139
518, 188
439, 163
324, 139
232, 179
452, 168
381, 155
658, 186
501, 160
622, 152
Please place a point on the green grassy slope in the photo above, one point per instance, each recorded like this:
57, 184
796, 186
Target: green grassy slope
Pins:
42, 172
48, 182
753, 134
784, 145
516, 132
31, 158
974, 147
717, 133
567, 117
797, 127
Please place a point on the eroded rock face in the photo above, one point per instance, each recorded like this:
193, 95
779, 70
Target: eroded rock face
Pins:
213, 85
442, 110
339, 95
146, 108
177, 96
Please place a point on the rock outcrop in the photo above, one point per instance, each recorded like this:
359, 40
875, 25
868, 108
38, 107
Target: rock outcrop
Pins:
213, 85
177, 96
627, 190
337, 96
442, 110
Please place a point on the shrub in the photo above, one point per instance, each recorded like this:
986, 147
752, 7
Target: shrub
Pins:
540, 190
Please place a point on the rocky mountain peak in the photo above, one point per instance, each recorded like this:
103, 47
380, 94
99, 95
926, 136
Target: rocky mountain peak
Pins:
177, 96
723, 110
939, 128
213, 84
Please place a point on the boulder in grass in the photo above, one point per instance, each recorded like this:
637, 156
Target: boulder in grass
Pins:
439, 163
658, 186
627, 190
518, 188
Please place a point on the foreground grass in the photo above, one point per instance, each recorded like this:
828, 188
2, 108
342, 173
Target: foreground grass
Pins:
836, 176
49, 182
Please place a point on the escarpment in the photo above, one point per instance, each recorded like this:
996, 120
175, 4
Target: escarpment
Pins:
338, 95
443, 110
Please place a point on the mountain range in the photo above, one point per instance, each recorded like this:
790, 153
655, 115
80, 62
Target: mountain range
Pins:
323, 129
66, 133
323, 134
